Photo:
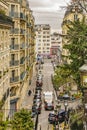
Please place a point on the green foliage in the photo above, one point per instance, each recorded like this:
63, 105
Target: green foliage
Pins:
2, 12
77, 47
22, 120
3, 124
62, 76
78, 125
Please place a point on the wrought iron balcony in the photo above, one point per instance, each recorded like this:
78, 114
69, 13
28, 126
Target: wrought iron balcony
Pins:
22, 46
22, 16
14, 14
14, 47
22, 75
22, 31
14, 31
14, 63
14, 79
22, 60
5, 20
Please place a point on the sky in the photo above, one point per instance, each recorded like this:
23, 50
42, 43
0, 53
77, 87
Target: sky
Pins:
49, 12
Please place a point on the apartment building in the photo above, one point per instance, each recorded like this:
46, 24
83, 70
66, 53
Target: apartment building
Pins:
72, 13
43, 40
56, 46
5, 26
21, 51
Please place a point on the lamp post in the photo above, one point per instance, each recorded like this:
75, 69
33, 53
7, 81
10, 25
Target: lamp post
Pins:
66, 116
56, 112
83, 71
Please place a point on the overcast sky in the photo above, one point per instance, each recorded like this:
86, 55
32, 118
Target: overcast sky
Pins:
48, 12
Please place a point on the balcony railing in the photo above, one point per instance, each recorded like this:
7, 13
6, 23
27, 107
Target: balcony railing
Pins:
14, 14
22, 16
22, 31
22, 75
14, 31
14, 79
14, 63
22, 60
22, 46
14, 47
5, 20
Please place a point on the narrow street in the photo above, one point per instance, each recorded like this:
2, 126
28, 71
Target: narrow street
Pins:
47, 71
47, 86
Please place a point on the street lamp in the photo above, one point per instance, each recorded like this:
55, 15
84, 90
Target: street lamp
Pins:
66, 116
57, 108
83, 71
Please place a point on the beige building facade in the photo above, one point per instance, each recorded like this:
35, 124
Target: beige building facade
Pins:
5, 26
22, 53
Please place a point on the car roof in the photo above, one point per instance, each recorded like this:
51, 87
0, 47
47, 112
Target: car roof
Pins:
61, 111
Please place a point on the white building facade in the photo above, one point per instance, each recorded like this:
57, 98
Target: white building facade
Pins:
43, 39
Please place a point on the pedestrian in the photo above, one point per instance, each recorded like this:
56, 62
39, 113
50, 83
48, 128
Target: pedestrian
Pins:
33, 90
29, 92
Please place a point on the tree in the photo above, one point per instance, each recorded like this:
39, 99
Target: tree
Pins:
62, 76
22, 120
3, 124
77, 47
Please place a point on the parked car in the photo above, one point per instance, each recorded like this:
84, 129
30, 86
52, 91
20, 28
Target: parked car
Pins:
36, 109
37, 101
37, 96
39, 82
62, 114
49, 106
38, 88
38, 92
33, 113
52, 118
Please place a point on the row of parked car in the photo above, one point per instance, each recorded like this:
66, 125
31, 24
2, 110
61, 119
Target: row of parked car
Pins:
37, 101
61, 116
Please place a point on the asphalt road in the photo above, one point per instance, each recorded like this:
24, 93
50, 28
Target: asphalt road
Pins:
47, 86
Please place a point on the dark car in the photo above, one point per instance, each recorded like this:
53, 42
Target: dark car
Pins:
38, 88
37, 92
52, 118
37, 101
33, 114
62, 115
37, 96
36, 109
49, 106
39, 82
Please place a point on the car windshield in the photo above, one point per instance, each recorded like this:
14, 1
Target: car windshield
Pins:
49, 104
51, 115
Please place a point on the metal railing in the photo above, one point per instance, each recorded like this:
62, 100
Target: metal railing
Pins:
14, 79
14, 47
14, 63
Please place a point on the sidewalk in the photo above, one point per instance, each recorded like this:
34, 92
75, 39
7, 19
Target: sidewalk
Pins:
28, 100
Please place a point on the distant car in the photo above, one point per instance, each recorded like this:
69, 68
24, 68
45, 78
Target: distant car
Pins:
49, 57
38, 88
39, 82
52, 118
37, 96
38, 92
49, 106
